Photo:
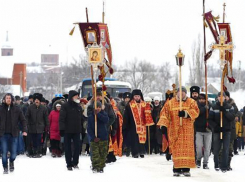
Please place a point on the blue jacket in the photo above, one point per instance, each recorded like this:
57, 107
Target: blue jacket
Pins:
102, 122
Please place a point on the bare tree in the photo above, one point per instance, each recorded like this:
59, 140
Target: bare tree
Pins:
196, 65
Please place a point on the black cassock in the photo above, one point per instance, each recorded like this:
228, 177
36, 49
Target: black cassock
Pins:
130, 130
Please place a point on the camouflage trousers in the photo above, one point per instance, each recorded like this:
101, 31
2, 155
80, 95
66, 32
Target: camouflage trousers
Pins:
99, 154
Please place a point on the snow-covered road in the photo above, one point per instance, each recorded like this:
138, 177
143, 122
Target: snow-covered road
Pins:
152, 168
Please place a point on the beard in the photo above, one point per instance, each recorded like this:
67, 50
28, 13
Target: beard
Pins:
195, 98
138, 101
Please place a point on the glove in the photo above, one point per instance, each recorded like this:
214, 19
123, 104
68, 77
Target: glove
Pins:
113, 133
206, 107
181, 114
96, 140
222, 109
164, 130
96, 111
103, 107
62, 133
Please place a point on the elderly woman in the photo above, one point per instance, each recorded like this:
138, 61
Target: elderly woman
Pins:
54, 129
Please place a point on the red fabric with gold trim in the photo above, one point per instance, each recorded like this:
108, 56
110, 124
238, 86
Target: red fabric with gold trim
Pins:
228, 55
164, 143
105, 40
141, 118
90, 33
212, 25
180, 138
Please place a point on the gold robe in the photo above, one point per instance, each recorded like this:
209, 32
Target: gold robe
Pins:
180, 138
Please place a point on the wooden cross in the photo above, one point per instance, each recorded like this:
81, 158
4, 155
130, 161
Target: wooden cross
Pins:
222, 46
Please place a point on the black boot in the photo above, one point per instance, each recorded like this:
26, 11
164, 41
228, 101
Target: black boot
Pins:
5, 170
11, 166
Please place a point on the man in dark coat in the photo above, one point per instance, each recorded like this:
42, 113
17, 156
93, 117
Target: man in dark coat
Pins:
10, 115
155, 132
195, 90
233, 128
70, 123
214, 121
203, 134
37, 120
121, 107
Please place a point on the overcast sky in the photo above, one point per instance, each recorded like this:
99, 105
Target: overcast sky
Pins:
150, 30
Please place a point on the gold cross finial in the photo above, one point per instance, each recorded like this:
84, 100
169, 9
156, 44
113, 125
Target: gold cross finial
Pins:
224, 13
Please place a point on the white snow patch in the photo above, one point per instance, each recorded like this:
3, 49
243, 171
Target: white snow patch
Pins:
153, 168
239, 98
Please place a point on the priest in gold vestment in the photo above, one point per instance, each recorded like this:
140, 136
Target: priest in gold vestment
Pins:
180, 138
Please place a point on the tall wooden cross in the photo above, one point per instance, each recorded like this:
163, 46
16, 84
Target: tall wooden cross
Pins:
222, 46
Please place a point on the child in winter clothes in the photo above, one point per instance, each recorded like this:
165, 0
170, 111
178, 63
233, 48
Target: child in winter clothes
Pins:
99, 143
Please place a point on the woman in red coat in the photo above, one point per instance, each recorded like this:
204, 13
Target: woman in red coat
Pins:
54, 130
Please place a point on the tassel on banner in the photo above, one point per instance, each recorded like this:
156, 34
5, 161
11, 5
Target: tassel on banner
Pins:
231, 79
205, 24
72, 31
224, 88
216, 18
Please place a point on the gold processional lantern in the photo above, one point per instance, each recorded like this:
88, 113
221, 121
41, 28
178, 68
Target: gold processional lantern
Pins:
180, 57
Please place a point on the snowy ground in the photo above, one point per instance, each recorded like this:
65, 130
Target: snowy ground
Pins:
152, 168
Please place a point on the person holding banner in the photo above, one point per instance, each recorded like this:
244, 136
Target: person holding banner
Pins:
214, 121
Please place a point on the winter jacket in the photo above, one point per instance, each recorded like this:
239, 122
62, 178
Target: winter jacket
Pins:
156, 113
108, 110
37, 118
54, 125
233, 123
214, 117
121, 107
201, 122
102, 122
16, 116
71, 119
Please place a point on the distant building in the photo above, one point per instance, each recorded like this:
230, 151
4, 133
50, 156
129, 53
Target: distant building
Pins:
12, 71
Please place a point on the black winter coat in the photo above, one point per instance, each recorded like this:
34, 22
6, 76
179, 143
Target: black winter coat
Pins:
228, 117
16, 116
201, 121
71, 118
37, 118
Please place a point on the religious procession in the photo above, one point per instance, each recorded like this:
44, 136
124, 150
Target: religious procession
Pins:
107, 124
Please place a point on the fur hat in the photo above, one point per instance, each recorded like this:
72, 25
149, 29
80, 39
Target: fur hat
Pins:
194, 89
37, 96
136, 92
202, 96
126, 95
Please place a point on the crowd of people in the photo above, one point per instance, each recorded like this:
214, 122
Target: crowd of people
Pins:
105, 128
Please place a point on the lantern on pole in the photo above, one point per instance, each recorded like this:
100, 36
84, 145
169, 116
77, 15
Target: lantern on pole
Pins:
180, 57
